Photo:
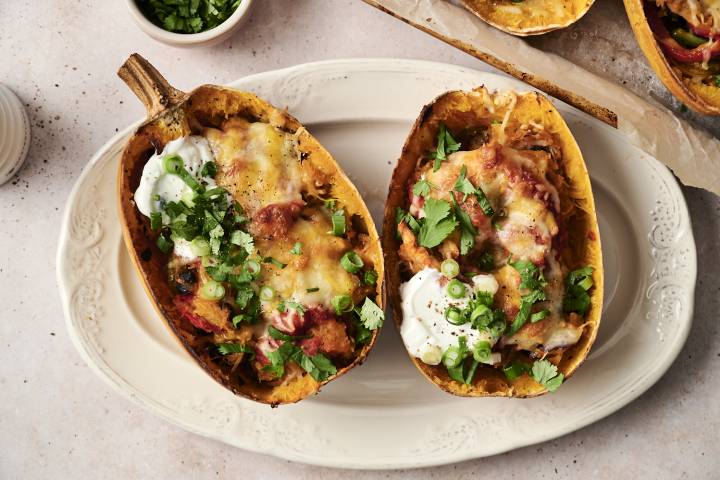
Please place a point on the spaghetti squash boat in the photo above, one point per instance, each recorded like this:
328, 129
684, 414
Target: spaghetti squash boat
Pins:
492, 246
681, 40
529, 17
252, 243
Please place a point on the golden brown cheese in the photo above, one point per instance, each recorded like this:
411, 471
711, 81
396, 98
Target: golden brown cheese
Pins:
258, 163
318, 266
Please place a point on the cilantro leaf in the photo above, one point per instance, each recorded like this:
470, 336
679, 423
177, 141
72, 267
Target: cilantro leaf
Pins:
438, 223
446, 145
362, 333
577, 284
244, 240
421, 188
514, 369
280, 335
279, 357
546, 374
297, 249
463, 185
371, 315
318, 366
230, 348
467, 229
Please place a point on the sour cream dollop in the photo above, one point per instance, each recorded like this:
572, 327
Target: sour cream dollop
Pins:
157, 183
425, 331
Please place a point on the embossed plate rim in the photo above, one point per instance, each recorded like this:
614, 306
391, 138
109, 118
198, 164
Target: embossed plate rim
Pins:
267, 422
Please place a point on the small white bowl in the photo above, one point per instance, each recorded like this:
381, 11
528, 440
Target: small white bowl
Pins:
14, 134
202, 39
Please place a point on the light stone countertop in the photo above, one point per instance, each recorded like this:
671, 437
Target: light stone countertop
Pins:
58, 420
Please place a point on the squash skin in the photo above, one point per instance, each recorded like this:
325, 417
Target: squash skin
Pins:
459, 110
687, 93
209, 105
514, 26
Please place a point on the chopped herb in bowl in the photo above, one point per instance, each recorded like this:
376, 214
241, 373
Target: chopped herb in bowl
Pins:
188, 16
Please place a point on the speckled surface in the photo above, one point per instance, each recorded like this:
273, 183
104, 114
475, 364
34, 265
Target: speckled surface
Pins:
58, 420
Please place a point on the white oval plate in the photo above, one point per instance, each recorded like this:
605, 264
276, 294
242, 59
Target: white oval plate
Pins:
384, 414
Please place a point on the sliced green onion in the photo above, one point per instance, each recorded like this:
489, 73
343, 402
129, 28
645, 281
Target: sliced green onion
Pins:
212, 290
173, 164
450, 268
537, 316
342, 304
200, 247
370, 277
274, 262
452, 357
482, 351
338, 223
164, 244
297, 249
586, 283
456, 289
267, 293
155, 220
480, 311
454, 316
311, 290
253, 268
351, 262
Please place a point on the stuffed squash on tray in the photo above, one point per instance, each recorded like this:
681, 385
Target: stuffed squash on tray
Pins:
529, 17
681, 40
252, 243
492, 246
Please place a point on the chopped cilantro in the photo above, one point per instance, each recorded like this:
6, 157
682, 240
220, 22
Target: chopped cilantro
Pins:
438, 224
371, 315
318, 366
514, 369
230, 348
188, 16
296, 249
546, 374
421, 188
467, 229
463, 185
244, 240
577, 284
446, 145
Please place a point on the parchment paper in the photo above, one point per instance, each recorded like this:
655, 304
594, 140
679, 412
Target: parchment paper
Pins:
693, 155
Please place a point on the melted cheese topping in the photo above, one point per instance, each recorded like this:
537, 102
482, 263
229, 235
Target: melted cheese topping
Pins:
696, 12
317, 267
258, 164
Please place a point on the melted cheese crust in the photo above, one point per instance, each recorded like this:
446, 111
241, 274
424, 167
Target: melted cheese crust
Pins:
258, 164
317, 267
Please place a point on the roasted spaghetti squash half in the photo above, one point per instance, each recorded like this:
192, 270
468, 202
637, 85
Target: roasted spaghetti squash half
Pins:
255, 248
492, 246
